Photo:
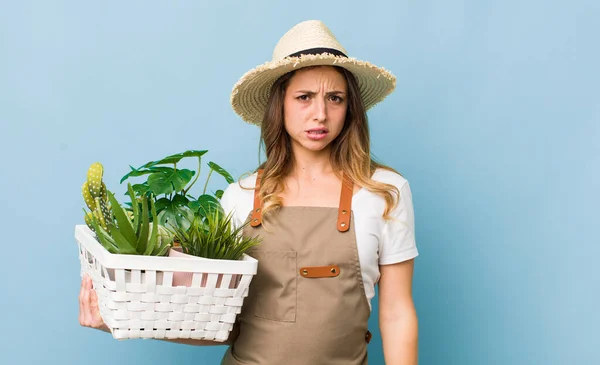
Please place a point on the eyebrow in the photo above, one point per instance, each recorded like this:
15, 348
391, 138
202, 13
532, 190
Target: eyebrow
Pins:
334, 92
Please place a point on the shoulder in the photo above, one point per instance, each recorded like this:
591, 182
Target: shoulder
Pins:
238, 190
238, 196
241, 186
375, 202
390, 177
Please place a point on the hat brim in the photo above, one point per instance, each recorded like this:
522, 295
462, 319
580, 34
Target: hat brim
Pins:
250, 94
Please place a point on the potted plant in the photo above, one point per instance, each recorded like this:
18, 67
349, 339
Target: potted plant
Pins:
124, 250
199, 225
213, 236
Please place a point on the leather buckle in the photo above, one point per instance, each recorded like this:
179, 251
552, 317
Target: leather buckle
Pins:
320, 271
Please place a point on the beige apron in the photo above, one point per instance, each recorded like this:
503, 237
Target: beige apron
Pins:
307, 303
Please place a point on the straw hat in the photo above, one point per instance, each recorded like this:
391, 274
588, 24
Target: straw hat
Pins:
309, 43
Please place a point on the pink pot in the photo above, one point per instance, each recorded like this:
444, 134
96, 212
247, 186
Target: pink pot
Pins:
185, 278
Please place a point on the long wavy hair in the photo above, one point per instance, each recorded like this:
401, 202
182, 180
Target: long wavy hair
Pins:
350, 153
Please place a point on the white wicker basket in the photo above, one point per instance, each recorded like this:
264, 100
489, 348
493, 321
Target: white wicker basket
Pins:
137, 298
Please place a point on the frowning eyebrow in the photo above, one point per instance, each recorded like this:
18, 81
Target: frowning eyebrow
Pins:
312, 93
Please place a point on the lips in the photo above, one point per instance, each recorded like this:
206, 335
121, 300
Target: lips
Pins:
317, 131
316, 134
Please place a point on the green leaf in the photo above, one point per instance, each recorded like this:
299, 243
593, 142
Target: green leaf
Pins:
219, 194
162, 203
162, 250
142, 240
125, 246
135, 208
141, 189
205, 205
123, 221
134, 172
221, 171
103, 237
175, 212
176, 158
165, 182
142, 171
154, 235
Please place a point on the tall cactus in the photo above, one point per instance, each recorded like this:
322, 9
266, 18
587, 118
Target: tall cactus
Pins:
95, 196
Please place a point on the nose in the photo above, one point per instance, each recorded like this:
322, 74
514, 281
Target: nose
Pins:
320, 110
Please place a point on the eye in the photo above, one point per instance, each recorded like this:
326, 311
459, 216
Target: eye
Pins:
303, 97
336, 99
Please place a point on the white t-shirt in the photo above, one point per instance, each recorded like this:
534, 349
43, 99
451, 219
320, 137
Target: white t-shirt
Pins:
379, 242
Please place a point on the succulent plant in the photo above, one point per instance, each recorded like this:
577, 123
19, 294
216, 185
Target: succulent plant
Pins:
132, 237
214, 237
95, 196
119, 230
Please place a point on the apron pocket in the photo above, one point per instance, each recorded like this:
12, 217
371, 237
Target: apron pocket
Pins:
273, 290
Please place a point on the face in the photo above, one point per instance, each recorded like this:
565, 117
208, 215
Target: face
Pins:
315, 107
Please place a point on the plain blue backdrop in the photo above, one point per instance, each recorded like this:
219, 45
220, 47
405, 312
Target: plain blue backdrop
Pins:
495, 123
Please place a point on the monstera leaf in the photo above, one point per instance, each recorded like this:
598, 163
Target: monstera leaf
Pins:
141, 189
205, 205
175, 158
144, 171
168, 180
174, 212
221, 171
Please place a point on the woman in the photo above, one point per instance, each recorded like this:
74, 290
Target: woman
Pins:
334, 223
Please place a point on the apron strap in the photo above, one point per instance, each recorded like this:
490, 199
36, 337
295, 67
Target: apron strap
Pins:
256, 219
344, 210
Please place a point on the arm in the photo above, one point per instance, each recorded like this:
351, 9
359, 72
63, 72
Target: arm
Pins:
89, 316
397, 315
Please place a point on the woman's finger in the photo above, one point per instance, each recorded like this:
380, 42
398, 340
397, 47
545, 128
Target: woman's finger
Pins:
96, 317
93, 311
80, 300
86, 303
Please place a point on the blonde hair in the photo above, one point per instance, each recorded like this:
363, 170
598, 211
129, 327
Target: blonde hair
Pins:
350, 154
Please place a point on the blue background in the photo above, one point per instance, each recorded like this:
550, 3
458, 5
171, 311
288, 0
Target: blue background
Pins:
495, 123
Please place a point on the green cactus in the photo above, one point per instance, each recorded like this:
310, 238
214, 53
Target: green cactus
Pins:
87, 197
88, 219
103, 191
95, 196
94, 179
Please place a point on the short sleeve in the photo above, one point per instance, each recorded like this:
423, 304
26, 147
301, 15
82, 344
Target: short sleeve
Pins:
228, 201
398, 237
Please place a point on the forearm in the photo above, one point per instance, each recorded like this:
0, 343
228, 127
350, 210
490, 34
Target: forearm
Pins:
400, 338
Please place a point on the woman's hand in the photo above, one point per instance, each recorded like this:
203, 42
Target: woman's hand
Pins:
89, 314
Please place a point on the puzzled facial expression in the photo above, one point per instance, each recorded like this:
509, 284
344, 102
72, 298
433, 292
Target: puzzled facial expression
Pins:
315, 107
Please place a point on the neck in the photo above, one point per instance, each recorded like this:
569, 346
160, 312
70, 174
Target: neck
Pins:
309, 165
